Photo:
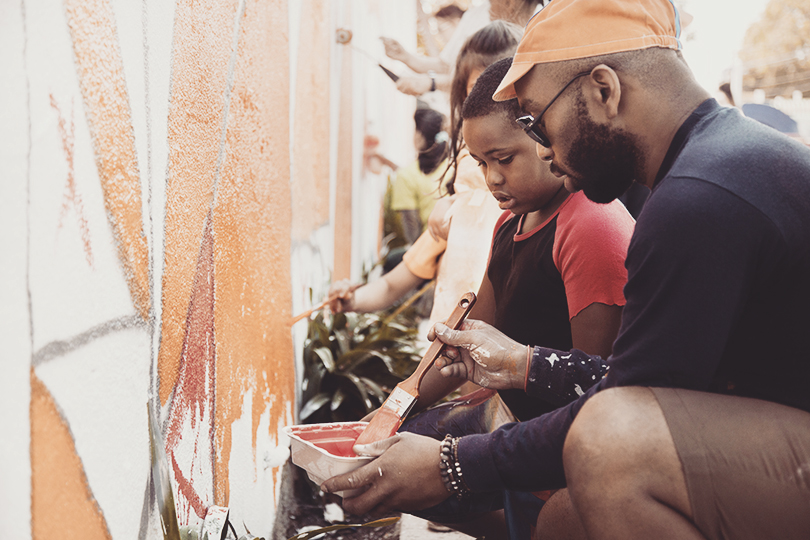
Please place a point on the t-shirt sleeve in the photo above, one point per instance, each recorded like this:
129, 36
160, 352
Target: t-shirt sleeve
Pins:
422, 258
404, 190
590, 247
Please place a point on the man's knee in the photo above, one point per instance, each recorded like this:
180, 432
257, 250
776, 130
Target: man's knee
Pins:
608, 424
619, 446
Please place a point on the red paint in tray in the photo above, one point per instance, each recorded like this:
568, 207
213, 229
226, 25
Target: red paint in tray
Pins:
336, 440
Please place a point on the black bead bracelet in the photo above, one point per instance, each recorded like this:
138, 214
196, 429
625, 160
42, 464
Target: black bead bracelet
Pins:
451, 468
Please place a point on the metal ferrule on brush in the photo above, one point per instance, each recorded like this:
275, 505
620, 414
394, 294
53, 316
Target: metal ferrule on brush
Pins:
400, 402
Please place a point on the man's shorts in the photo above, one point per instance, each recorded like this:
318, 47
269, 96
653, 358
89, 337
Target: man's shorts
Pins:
746, 463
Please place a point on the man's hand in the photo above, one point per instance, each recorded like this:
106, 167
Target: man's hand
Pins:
405, 476
481, 354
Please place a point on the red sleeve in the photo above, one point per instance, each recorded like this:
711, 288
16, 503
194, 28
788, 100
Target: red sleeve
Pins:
590, 246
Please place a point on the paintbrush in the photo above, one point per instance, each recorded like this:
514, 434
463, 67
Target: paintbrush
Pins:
400, 402
313, 309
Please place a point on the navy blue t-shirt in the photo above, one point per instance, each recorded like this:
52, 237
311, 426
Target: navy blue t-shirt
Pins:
718, 293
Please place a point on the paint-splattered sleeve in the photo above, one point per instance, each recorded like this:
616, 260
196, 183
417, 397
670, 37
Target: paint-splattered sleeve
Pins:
561, 377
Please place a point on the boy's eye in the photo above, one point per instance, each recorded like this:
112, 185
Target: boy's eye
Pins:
482, 163
506, 160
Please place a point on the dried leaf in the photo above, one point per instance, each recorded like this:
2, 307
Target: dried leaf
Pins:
337, 399
313, 533
326, 357
313, 405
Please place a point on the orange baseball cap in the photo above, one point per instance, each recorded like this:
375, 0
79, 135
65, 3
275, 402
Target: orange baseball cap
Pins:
571, 29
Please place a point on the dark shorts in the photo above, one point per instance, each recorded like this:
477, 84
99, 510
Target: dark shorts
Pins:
746, 463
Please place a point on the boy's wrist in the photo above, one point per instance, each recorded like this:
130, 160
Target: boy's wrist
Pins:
529, 354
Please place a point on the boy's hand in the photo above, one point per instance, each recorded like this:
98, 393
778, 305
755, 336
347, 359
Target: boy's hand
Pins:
370, 416
341, 295
481, 354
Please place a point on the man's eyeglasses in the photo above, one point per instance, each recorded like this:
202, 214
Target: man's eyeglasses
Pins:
531, 125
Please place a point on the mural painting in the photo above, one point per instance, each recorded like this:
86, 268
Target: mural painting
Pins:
170, 174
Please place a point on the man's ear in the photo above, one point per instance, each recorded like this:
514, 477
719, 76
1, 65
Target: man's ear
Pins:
604, 90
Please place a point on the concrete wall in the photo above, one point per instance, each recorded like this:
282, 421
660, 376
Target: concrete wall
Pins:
177, 179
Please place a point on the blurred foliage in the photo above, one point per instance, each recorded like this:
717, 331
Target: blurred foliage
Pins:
776, 49
352, 361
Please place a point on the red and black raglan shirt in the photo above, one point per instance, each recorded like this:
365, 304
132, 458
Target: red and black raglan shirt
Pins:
718, 293
544, 277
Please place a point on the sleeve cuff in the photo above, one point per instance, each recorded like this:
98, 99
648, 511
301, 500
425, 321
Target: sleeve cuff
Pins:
560, 377
477, 463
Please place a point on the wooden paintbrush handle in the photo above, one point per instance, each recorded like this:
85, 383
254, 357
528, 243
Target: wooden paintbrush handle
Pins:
313, 309
458, 315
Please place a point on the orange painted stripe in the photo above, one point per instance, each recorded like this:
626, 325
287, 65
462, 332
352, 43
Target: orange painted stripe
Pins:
203, 33
343, 194
101, 79
310, 168
252, 234
62, 504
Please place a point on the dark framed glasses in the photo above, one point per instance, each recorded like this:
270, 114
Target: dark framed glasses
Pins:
531, 125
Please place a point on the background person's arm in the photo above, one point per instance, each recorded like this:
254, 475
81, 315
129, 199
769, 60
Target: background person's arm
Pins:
375, 296
418, 63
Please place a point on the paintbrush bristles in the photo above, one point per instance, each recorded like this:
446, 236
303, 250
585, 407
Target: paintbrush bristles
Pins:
384, 424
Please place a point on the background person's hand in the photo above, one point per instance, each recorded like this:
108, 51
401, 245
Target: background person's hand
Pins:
342, 295
482, 354
439, 219
414, 85
405, 476
394, 49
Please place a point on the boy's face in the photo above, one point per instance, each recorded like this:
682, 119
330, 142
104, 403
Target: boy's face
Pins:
519, 180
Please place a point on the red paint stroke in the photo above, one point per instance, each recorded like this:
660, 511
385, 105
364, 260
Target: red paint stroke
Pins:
185, 487
72, 196
194, 390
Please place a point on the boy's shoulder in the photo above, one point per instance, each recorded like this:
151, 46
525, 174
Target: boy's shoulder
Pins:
579, 212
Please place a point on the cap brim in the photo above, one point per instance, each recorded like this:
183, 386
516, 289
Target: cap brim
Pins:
506, 90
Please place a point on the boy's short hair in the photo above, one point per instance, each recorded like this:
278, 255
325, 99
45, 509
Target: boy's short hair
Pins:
480, 103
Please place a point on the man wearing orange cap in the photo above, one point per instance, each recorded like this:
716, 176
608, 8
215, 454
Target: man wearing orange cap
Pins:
701, 427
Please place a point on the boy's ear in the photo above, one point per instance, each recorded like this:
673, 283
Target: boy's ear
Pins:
604, 91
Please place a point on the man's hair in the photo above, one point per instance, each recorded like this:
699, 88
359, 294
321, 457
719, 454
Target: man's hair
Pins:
480, 103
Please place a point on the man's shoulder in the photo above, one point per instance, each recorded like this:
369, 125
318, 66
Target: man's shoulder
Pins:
738, 161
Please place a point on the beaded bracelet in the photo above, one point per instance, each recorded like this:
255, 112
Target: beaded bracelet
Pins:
451, 468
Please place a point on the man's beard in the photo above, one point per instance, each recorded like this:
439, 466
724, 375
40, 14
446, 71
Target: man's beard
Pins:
605, 161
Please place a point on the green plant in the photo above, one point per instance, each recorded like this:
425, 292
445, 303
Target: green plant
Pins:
352, 362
